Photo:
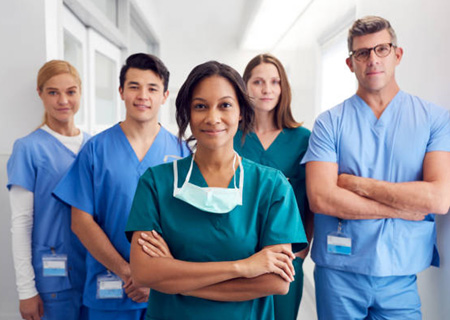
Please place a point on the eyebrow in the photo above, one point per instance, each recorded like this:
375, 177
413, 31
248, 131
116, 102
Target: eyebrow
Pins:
51, 88
263, 78
137, 83
222, 98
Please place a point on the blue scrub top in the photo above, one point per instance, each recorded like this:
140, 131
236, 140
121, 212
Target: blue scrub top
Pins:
284, 154
37, 163
391, 148
268, 216
102, 182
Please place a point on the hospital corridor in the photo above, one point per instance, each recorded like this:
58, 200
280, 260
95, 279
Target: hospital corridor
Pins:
296, 57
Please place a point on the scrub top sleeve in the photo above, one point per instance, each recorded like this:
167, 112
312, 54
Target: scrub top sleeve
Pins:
322, 144
76, 188
21, 167
440, 132
283, 223
144, 214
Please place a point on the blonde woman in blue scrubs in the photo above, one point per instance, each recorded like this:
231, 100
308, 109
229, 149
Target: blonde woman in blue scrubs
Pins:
278, 141
48, 257
230, 225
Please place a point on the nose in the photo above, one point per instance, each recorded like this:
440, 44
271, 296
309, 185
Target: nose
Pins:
213, 116
266, 87
62, 100
142, 94
372, 56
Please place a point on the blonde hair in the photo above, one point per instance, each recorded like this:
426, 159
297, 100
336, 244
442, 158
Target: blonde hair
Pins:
53, 68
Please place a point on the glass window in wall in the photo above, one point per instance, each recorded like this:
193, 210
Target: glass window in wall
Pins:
338, 83
109, 8
137, 43
73, 53
105, 91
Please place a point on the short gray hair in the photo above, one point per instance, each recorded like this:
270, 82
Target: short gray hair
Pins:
368, 25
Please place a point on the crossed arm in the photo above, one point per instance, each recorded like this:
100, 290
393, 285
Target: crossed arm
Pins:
351, 197
267, 272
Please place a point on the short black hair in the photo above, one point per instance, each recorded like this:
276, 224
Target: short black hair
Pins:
144, 61
201, 72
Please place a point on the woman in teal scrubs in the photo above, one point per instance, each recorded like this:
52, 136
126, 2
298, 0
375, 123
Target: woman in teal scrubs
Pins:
230, 225
278, 141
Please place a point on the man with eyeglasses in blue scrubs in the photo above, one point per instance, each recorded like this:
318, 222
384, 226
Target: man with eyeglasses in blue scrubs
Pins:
377, 172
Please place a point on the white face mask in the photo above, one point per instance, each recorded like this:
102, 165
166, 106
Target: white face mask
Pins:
214, 200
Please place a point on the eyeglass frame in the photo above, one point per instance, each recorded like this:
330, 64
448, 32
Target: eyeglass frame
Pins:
391, 45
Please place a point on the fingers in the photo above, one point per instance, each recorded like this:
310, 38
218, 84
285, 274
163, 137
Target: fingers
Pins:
137, 294
154, 245
281, 249
284, 264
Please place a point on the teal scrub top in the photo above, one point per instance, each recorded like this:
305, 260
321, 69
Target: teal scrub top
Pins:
284, 154
268, 216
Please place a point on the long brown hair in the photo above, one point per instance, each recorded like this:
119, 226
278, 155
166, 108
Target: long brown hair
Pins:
283, 117
53, 68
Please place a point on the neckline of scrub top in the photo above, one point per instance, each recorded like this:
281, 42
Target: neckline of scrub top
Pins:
385, 116
198, 179
49, 136
131, 152
253, 135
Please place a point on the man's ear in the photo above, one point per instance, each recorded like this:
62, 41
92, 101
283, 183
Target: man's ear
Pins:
349, 63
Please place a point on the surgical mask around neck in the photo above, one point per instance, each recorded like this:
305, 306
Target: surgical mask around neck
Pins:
209, 199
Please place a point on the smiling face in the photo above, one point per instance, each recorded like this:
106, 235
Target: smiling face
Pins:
60, 96
143, 94
375, 75
215, 113
264, 87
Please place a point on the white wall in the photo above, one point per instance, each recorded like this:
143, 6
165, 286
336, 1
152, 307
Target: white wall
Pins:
22, 28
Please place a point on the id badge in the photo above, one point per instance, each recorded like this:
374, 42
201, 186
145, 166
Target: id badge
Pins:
54, 265
338, 243
109, 286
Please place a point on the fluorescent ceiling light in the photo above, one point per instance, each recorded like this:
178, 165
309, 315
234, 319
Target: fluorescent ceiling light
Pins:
271, 22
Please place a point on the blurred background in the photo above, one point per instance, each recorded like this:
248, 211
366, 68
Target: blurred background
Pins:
308, 36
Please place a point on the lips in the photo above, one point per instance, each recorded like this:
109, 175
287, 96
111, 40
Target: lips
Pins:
213, 131
142, 106
373, 73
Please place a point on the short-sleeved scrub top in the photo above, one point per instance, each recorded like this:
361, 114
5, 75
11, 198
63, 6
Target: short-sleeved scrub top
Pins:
268, 216
102, 182
37, 163
391, 148
284, 154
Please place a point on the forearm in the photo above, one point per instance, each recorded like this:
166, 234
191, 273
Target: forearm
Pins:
416, 196
175, 276
22, 203
327, 196
243, 289
98, 244
347, 205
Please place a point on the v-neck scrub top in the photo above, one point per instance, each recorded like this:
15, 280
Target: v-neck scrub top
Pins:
102, 182
284, 154
391, 148
268, 216
37, 163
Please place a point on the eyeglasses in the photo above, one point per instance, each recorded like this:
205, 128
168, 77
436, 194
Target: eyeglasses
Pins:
381, 50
